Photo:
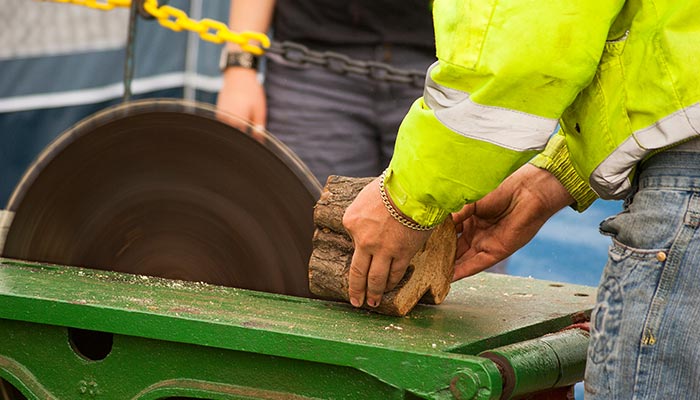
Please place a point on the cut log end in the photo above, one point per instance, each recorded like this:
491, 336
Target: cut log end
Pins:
429, 274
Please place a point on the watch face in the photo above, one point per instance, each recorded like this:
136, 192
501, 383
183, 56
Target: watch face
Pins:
244, 59
237, 59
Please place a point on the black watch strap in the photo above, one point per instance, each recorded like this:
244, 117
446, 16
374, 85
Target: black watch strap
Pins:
241, 59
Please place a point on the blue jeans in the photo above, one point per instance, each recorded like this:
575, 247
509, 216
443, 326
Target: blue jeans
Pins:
645, 333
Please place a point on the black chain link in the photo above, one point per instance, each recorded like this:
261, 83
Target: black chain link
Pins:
300, 55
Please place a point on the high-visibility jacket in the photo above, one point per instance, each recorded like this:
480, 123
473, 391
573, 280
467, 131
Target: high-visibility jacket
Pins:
621, 77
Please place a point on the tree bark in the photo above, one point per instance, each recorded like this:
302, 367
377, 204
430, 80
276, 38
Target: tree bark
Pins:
428, 276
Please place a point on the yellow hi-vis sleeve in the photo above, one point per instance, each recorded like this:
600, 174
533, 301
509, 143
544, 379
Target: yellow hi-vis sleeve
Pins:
507, 70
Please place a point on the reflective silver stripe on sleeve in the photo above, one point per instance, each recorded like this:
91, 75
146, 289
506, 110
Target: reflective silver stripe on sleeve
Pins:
610, 179
510, 129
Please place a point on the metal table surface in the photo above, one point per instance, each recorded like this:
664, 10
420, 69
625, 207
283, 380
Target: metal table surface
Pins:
175, 338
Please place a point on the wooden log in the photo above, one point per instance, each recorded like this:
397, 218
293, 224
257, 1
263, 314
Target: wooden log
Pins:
429, 274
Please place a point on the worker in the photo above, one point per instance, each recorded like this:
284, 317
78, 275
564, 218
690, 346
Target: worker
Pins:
342, 124
621, 78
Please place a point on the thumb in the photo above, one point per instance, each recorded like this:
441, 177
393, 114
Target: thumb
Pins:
258, 113
462, 215
258, 118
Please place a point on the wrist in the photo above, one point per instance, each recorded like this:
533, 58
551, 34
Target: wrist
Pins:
235, 73
543, 188
238, 59
396, 213
555, 160
240, 79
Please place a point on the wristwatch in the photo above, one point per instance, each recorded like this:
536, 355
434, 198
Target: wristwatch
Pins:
241, 59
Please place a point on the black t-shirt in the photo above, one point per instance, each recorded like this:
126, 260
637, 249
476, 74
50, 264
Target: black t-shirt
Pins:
355, 22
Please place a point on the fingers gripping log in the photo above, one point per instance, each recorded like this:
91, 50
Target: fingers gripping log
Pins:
429, 274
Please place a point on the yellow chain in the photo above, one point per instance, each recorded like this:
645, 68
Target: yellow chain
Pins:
177, 20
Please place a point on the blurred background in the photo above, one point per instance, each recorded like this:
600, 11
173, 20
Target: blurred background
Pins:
60, 63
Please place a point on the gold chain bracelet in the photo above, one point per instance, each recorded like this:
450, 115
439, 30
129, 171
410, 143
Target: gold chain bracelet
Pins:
395, 213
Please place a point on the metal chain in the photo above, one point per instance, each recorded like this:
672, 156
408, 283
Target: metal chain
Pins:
298, 54
258, 43
208, 29
177, 20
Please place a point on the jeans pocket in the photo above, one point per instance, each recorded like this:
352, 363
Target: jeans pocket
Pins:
630, 274
606, 320
618, 319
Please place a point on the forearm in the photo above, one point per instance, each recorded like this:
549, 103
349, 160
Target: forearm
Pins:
555, 159
435, 171
545, 190
241, 93
250, 15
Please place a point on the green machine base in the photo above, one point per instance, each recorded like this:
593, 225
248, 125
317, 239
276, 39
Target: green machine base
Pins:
73, 333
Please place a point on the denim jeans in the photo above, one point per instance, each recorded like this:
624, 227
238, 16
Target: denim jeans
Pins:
645, 333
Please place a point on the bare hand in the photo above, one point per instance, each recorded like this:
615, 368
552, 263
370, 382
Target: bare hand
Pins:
502, 222
383, 247
243, 96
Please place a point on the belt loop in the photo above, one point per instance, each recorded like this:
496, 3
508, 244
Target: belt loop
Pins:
692, 214
634, 187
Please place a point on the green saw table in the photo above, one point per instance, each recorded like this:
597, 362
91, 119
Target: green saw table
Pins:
73, 333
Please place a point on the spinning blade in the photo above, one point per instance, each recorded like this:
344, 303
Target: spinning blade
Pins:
171, 189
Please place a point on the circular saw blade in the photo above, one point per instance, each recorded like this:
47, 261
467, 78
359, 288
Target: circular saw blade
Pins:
171, 189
